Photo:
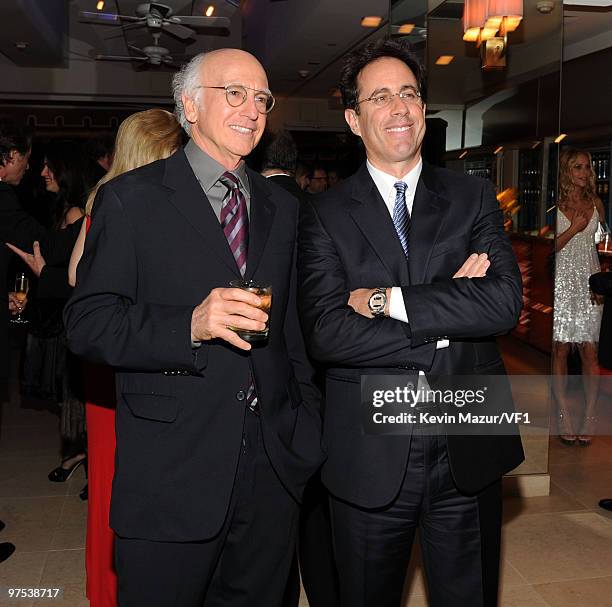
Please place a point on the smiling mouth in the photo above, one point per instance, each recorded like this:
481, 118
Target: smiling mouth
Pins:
243, 130
398, 129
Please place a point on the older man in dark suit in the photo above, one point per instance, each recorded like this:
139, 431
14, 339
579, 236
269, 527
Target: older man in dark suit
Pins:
215, 438
381, 292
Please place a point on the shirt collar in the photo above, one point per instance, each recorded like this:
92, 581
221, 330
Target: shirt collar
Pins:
385, 182
208, 170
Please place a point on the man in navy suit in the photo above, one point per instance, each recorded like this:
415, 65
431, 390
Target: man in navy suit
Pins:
382, 293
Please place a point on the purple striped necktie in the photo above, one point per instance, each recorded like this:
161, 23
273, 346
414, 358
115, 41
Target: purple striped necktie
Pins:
235, 223
235, 220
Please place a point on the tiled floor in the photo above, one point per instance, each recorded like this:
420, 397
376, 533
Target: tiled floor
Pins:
557, 550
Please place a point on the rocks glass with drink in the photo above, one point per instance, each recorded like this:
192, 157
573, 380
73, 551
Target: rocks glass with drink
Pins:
264, 292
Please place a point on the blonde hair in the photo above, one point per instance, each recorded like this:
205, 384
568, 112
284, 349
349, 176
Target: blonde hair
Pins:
566, 159
142, 138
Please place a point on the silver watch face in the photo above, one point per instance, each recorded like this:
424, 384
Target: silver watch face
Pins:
377, 302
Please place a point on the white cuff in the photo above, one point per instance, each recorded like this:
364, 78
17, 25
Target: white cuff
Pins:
397, 309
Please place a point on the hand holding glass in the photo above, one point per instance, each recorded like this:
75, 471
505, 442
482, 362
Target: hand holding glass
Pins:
264, 292
22, 285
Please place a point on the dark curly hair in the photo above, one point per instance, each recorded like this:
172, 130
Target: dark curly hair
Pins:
356, 60
281, 152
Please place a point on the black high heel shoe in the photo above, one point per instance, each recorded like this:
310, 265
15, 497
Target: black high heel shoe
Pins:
61, 475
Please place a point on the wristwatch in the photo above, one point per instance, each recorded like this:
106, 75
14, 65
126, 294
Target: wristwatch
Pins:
378, 302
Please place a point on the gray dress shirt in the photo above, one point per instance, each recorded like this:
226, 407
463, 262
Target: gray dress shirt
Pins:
208, 171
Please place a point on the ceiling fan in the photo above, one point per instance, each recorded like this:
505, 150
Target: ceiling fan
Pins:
160, 17
151, 55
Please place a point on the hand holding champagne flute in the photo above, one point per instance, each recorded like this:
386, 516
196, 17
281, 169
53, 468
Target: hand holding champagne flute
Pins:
22, 285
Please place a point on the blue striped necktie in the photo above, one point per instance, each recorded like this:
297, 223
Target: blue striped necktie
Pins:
401, 216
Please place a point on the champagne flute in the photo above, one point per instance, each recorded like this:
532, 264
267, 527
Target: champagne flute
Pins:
22, 285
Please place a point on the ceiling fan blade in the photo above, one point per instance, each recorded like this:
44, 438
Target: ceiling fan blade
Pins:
199, 21
119, 58
125, 28
138, 50
105, 18
178, 30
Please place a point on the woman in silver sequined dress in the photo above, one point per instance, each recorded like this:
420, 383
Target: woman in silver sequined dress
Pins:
577, 312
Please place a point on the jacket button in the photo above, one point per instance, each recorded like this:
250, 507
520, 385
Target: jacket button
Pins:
240, 395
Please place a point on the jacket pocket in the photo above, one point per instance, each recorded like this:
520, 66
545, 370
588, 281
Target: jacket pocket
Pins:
155, 407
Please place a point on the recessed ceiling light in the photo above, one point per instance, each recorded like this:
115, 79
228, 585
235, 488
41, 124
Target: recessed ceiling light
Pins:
560, 138
406, 28
371, 21
444, 59
210, 10
100, 5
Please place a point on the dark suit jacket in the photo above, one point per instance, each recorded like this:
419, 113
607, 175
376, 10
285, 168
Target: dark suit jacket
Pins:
21, 229
155, 250
601, 283
348, 241
290, 184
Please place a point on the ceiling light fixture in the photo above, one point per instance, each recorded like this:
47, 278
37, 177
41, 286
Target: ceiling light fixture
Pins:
482, 19
561, 137
100, 5
406, 28
444, 59
371, 21
487, 23
210, 10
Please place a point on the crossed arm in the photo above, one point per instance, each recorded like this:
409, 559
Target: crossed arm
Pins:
340, 330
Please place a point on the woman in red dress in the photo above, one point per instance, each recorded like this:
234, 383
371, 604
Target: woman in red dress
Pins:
142, 138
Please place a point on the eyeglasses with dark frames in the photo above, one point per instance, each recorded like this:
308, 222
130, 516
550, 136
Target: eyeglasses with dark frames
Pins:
236, 95
408, 94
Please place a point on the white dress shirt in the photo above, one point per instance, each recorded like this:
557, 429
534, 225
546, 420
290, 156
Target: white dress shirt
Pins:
385, 184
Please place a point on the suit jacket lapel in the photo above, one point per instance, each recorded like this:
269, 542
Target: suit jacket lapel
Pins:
260, 221
372, 216
189, 199
428, 214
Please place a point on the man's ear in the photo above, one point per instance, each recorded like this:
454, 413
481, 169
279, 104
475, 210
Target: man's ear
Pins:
352, 119
191, 109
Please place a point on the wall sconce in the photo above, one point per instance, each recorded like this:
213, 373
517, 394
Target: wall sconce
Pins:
487, 22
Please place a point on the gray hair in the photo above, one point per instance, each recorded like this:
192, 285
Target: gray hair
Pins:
186, 82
